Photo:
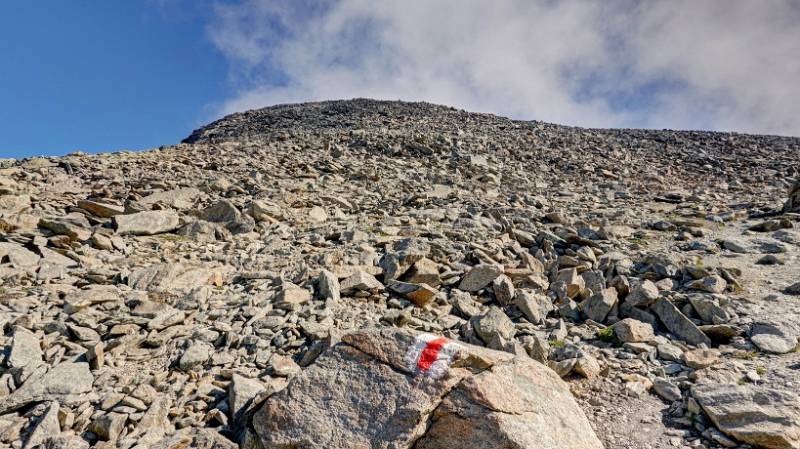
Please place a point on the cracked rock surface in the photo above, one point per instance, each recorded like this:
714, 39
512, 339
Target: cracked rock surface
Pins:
363, 393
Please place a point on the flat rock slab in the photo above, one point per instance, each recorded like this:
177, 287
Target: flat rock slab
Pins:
66, 382
678, 324
391, 388
771, 338
763, 417
149, 222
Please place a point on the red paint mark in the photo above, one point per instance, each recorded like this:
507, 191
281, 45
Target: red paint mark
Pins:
430, 353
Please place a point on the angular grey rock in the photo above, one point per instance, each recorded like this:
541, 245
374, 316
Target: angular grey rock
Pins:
147, 223
47, 426
360, 281
377, 396
494, 324
108, 426
710, 284
772, 338
241, 394
164, 277
479, 277
503, 290
405, 253
183, 198
421, 295
535, 306
666, 389
644, 295
760, 416
104, 210
66, 382
678, 324
328, 286
633, 331
793, 289
709, 309
424, 271
25, 349
464, 304
17, 255
194, 356
598, 306
227, 213
74, 225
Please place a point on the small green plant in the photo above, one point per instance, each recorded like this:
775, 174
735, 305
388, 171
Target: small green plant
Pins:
606, 334
742, 381
557, 343
745, 355
761, 370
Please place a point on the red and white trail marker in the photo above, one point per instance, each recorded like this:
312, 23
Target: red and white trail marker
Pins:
431, 356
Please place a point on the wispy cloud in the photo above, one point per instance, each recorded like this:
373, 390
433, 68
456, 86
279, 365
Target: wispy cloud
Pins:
713, 64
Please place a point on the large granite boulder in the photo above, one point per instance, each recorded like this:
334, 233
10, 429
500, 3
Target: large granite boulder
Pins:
392, 388
763, 417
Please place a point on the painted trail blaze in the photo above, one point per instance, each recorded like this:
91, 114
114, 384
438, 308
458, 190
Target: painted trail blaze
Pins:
430, 355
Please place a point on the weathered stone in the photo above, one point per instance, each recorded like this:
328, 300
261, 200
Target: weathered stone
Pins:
65, 382
493, 324
709, 309
479, 277
104, 210
360, 281
242, 393
772, 338
503, 290
666, 389
678, 324
328, 286
17, 255
108, 427
760, 416
180, 199
424, 271
598, 306
25, 349
194, 356
377, 396
46, 427
644, 295
710, 284
75, 226
534, 306
227, 213
701, 358
147, 222
633, 331
421, 295
399, 259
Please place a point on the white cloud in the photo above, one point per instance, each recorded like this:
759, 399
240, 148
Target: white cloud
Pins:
712, 64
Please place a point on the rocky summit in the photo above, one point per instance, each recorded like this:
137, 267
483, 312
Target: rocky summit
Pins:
369, 274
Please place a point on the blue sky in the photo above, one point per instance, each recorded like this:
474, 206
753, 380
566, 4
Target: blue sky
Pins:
104, 75
134, 74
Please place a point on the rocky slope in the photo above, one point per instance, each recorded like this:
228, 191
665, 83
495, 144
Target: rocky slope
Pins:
161, 298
